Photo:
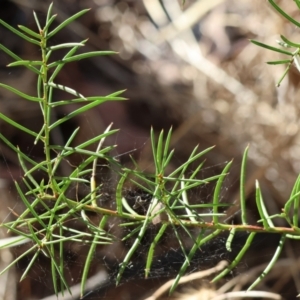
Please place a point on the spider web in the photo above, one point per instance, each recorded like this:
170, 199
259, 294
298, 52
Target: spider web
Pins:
168, 257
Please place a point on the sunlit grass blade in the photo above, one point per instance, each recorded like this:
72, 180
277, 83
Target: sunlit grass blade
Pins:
237, 258
119, 192
284, 14
22, 217
58, 200
189, 161
84, 100
130, 223
61, 255
48, 24
296, 209
152, 249
284, 74
60, 66
205, 205
17, 92
96, 139
199, 241
106, 237
127, 207
271, 48
66, 89
11, 227
280, 62
33, 235
90, 256
166, 157
28, 205
55, 269
74, 113
293, 237
242, 186
27, 63
81, 56
37, 22
116, 94
40, 89
290, 43
93, 181
185, 200
49, 12
217, 192
65, 45
19, 33
175, 219
181, 176
24, 167
159, 154
48, 54
136, 165
192, 182
17, 125
283, 44
13, 241
186, 183
267, 222
230, 238
66, 22
42, 166
60, 157
294, 194
16, 57
297, 63
153, 147
24, 254
271, 263
92, 154
30, 32
147, 180
73, 179
157, 150
132, 232
133, 248
87, 265
181, 245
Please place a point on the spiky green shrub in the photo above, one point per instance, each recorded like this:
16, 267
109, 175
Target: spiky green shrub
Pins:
169, 207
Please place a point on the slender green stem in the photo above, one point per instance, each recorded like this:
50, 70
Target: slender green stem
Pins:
242, 187
271, 263
152, 248
238, 257
199, 242
46, 108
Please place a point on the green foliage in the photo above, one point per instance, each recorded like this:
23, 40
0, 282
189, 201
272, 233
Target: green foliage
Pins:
170, 207
285, 43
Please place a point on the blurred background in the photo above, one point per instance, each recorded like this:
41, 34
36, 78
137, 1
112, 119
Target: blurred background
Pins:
191, 67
